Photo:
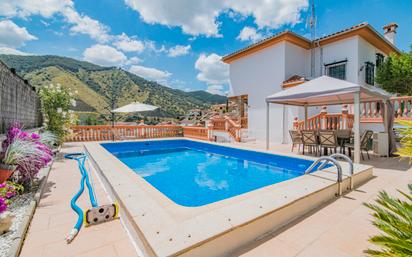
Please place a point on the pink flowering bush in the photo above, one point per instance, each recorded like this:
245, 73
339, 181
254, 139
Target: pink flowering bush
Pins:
3, 205
29, 165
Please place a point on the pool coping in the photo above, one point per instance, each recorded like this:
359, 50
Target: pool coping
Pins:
168, 229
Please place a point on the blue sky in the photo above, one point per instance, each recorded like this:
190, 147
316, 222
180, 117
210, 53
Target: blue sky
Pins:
177, 42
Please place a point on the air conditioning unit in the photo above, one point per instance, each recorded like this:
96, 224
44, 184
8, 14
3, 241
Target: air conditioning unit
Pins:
381, 144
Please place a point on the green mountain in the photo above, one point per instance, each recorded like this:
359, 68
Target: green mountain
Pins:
99, 88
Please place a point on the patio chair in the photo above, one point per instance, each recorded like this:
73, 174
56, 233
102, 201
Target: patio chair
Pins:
310, 140
296, 139
344, 136
328, 140
365, 138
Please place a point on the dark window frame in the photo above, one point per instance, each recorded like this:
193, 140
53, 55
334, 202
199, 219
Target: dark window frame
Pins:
380, 58
370, 73
336, 69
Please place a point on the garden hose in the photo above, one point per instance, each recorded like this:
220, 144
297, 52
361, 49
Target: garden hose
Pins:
97, 214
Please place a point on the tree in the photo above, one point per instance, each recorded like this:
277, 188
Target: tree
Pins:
395, 74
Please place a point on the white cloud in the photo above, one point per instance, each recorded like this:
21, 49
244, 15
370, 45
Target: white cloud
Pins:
150, 73
83, 24
133, 60
249, 34
213, 71
12, 35
127, 44
179, 50
150, 45
200, 17
8, 50
104, 55
216, 89
270, 13
194, 17
25, 8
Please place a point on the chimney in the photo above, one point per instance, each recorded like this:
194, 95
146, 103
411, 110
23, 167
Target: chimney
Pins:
389, 31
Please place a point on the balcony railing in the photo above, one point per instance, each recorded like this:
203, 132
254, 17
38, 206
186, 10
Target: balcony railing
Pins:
121, 132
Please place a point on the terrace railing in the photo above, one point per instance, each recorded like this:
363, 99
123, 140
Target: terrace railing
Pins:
201, 133
228, 125
325, 120
121, 132
371, 112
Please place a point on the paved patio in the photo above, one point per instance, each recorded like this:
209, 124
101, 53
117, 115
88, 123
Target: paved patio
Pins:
54, 218
340, 228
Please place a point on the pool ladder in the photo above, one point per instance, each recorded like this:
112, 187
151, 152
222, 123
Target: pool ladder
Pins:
333, 159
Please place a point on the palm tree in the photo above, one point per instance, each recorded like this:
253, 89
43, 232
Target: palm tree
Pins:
394, 218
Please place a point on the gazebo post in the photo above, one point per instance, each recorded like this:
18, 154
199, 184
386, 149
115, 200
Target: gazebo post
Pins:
267, 125
285, 125
306, 116
385, 116
356, 126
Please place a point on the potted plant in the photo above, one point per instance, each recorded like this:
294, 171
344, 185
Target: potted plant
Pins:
19, 153
7, 191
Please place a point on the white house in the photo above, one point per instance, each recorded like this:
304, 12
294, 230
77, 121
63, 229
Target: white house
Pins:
287, 60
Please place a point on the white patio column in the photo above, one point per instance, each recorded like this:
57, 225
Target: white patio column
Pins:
267, 125
285, 125
306, 116
356, 127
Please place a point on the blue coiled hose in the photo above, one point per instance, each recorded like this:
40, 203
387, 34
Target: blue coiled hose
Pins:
80, 158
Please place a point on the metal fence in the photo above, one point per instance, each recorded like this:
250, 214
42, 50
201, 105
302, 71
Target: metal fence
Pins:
19, 101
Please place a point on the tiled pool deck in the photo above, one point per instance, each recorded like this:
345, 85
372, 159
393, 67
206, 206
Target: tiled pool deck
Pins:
338, 229
54, 218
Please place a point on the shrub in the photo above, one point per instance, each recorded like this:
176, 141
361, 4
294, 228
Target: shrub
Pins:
394, 218
48, 138
3, 205
56, 102
9, 189
405, 151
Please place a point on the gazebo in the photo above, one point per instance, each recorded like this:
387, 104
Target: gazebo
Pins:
326, 90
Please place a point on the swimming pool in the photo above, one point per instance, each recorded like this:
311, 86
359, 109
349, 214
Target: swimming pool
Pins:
192, 173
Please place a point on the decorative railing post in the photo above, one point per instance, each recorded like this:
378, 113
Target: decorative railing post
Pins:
296, 124
323, 118
345, 117
210, 131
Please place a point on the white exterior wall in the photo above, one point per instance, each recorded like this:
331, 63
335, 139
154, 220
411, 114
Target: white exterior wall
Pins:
297, 62
367, 53
262, 73
259, 75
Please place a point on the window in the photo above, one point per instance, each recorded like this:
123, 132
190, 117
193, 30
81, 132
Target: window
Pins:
369, 73
379, 59
336, 70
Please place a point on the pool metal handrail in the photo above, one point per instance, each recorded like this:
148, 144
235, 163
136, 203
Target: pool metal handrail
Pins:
328, 159
344, 157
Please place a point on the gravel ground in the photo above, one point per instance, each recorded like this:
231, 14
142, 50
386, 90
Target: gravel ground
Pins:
18, 208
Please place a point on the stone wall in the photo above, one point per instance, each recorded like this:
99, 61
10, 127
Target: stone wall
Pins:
19, 101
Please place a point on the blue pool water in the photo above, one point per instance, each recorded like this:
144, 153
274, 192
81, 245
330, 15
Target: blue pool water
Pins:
194, 174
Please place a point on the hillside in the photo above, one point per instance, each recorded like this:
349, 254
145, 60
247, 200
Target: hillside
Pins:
99, 87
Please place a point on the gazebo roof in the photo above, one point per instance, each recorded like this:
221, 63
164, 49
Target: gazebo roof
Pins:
326, 90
